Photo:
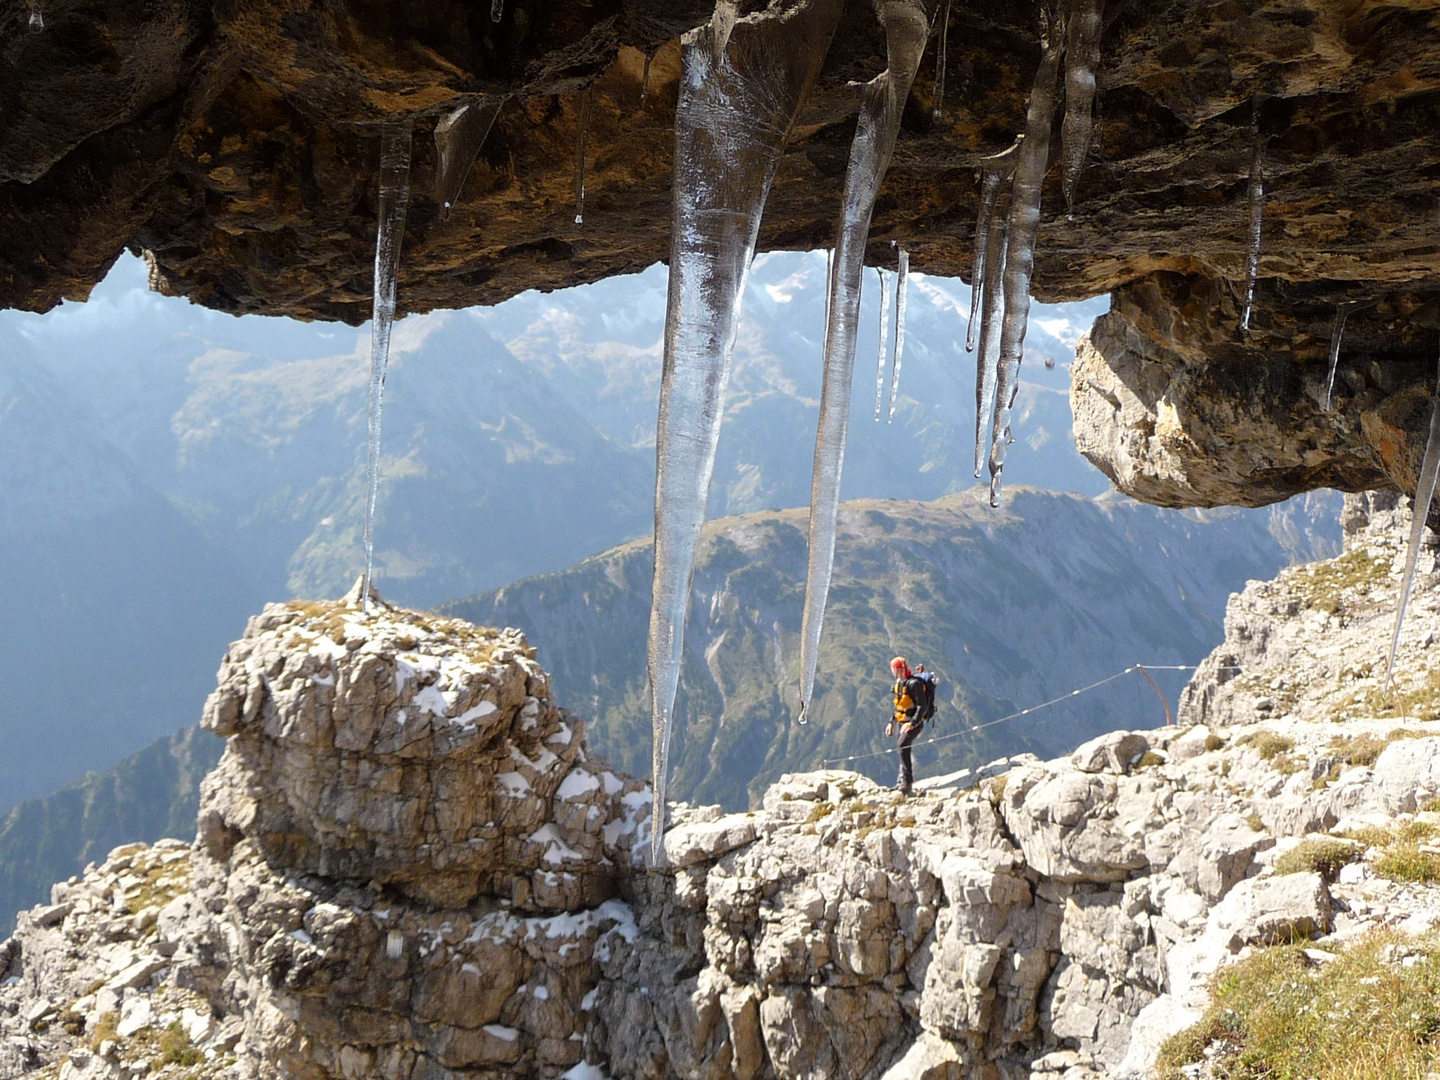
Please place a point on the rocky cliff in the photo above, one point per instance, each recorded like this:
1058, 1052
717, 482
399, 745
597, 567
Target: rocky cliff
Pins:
236, 145
408, 865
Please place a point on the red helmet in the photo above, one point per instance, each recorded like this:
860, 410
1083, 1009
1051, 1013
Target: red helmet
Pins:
900, 668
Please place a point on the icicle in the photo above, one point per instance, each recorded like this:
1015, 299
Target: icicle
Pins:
902, 283
731, 123
995, 171
1030, 167
987, 361
1424, 495
582, 136
1082, 55
390, 232
937, 107
880, 349
497, 10
1257, 218
722, 25
645, 80
881, 102
1342, 312
829, 264
37, 17
458, 139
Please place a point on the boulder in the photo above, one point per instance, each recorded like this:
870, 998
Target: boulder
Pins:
1267, 911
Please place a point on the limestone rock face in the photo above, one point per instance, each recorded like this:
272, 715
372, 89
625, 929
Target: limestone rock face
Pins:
1178, 426
423, 755
1312, 644
409, 867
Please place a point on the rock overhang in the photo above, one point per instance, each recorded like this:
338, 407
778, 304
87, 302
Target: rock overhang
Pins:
239, 149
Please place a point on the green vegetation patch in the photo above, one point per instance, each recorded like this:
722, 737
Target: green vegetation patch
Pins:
1322, 586
177, 1049
1267, 743
1323, 855
1366, 749
1373, 1013
1405, 854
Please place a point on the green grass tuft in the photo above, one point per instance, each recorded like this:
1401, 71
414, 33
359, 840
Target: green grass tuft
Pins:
1362, 1016
1318, 855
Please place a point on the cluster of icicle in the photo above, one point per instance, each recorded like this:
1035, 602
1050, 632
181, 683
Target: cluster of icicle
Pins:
742, 85
1009, 220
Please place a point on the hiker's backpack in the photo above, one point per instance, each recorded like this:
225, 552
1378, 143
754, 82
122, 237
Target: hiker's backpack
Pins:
922, 692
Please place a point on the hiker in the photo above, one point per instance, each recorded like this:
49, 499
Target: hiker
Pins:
914, 704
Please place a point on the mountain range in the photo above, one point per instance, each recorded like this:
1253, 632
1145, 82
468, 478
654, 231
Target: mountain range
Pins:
169, 469
1010, 607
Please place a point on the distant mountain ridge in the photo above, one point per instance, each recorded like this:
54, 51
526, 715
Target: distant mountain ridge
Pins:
228, 454
1012, 607
148, 796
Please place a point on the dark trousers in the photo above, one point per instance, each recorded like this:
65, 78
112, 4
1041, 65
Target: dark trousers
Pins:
909, 732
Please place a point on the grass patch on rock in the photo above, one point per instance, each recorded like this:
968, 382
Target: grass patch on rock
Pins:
1322, 586
1267, 743
1373, 1013
1406, 853
1321, 855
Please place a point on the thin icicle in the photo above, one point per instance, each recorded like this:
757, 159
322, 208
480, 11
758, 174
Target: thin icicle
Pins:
1257, 217
1082, 56
731, 122
881, 102
880, 349
1424, 495
645, 80
390, 233
902, 288
994, 171
1030, 168
37, 17
497, 10
937, 107
458, 139
987, 361
582, 137
829, 264
1342, 312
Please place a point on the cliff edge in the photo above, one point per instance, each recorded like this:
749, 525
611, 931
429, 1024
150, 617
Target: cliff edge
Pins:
409, 866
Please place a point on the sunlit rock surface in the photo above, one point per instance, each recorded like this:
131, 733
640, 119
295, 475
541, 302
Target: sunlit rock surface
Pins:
1040, 920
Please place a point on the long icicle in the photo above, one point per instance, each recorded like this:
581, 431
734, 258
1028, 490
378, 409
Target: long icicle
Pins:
989, 194
937, 107
987, 360
994, 172
645, 79
1030, 168
1082, 55
1257, 217
882, 101
732, 119
390, 233
1342, 313
880, 349
458, 139
582, 139
902, 289
1424, 495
